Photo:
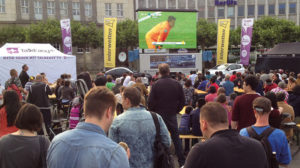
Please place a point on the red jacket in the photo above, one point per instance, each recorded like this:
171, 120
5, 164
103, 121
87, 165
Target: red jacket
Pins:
268, 88
4, 130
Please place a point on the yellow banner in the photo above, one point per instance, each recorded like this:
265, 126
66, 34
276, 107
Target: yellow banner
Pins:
223, 40
110, 28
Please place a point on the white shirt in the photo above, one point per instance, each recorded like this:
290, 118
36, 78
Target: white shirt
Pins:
127, 80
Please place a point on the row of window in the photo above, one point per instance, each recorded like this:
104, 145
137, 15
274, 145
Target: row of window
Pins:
38, 8
260, 11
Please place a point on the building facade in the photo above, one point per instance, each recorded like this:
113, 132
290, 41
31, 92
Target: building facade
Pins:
235, 10
28, 11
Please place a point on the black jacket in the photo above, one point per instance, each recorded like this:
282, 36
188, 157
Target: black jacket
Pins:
38, 95
24, 77
227, 149
294, 101
166, 97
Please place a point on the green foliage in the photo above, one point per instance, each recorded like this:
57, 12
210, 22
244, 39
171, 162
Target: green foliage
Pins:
12, 34
127, 34
235, 37
44, 32
269, 31
206, 33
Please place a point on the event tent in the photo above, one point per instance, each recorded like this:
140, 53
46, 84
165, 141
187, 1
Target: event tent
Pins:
39, 58
283, 56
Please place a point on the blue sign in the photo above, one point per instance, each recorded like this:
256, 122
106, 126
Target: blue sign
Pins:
223, 3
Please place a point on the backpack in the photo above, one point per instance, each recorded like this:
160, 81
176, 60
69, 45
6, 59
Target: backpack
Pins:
263, 139
74, 116
162, 154
13, 86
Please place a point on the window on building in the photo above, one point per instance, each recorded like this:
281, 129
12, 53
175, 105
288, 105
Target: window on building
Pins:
281, 8
220, 11
24, 7
76, 8
241, 10
88, 9
211, 11
2, 6
87, 49
271, 9
63, 8
250, 10
261, 9
38, 9
108, 9
292, 8
51, 7
230, 12
120, 12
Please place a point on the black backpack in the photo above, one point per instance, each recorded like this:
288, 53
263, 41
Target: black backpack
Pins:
263, 139
162, 154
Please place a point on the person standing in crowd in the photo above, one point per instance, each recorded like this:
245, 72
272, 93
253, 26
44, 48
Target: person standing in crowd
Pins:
276, 78
274, 117
224, 147
277, 139
198, 80
29, 83
281, 88
127, 79
242, 113
116, 88
87, 145
203, 84
145, 80
195, 114
100, 81
284, 108
294, 100
291, 84
298, 79
66, 93
140, 141
24, 77
207, 75
260, 87
212, 94
269, 85
223, 101
228, 85
14, 83
193, 77
85, 76
38, 95
233, 76
238, 82
109, 83
167, 99
141, 86
264, 76
188, 91
8, 112
23, 148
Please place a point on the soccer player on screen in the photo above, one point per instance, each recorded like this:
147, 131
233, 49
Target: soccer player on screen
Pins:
160, 32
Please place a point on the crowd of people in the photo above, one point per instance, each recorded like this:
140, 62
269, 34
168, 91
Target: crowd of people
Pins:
132, 121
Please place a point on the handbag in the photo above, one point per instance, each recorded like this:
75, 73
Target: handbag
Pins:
162, 154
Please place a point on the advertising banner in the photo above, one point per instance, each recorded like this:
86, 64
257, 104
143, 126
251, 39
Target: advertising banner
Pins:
110, 28
246, 38
223, 40
66, 36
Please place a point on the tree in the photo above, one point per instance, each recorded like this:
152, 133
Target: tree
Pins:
206, 33
269, 31
127, 34
12, 34
44, 32
235, 37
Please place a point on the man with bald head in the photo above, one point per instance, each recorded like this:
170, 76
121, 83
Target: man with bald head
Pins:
38, 95
167, 99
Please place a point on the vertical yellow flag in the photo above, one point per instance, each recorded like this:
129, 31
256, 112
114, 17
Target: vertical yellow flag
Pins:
223, 40
110, 28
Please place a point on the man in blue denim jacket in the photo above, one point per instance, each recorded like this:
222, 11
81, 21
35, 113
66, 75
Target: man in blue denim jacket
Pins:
136, 127
87, 145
